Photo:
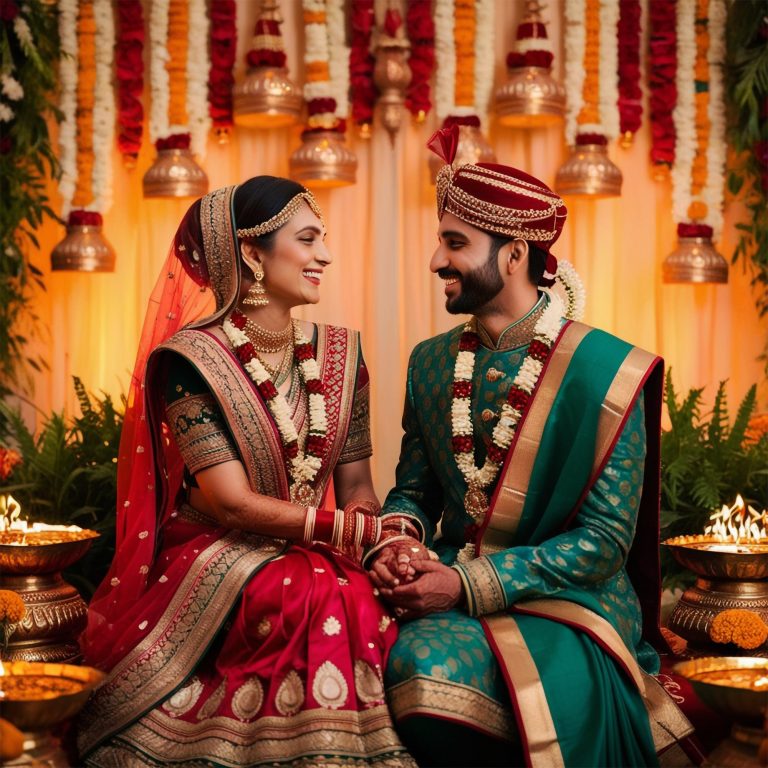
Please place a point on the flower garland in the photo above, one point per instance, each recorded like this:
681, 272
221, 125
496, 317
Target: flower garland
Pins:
662, 63
361, 64
179, 64
699, 119
304, 466
327, 70
591, 71
421, 34
479, 479
129, 60
630, 95
464, 46
223, 36
87, 105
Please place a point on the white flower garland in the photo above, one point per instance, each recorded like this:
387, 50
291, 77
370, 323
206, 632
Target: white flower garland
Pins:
6, 113
23, 34
445, 53
546, 331
713, 192
684, 113
316, 49
158, 74
608, 87
484, 62
198, 67
576, 295
68, 102
103, 106
338, 60
303, 467
12, 88
575, 43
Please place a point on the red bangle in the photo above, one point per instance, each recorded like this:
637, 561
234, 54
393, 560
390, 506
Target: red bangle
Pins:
324, 525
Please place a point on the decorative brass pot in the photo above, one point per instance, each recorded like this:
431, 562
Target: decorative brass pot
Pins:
83, 249
323, 160
529, 98
695, 260
175, 174
724, 580
56, 613
266, 98
590, 172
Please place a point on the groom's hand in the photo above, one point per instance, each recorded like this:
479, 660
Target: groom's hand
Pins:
394, 563
435, 588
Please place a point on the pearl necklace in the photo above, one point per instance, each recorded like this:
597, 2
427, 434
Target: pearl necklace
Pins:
545, 333
303, 465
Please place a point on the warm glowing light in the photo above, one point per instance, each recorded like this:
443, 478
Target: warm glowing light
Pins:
10, 510
738, 523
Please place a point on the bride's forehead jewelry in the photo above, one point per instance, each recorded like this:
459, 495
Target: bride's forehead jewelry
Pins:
280, 218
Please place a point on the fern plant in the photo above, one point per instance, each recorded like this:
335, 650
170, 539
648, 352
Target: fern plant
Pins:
706, 462
68, 475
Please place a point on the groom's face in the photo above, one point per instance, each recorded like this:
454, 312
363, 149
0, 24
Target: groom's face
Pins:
469, 265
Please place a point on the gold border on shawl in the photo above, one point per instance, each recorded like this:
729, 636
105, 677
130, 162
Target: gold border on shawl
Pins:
513, 486
620, 394
540, 736
422, 695
360, 734
668, 723
159, 664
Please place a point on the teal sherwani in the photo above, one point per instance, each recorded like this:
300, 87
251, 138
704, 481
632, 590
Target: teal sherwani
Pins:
554, 579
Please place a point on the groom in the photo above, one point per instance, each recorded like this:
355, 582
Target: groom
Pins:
533, 443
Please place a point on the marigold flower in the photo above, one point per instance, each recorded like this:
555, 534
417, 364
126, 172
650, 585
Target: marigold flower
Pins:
740, 627
12, 608
756, 429
8, 460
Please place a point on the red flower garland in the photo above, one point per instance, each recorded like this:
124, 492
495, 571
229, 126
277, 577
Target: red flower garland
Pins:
533, 58
129, 64
630, 95
267, 50
223, 35
421, 32
361, 62
663, 71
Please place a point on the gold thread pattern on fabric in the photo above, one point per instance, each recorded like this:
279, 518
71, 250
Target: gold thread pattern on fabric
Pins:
213, 702
358, 444
540, 735
368, 683
248, 698
290, 695
484, 585
184, 699
422, 695
221, 255
519, 335
329, 687
513, 485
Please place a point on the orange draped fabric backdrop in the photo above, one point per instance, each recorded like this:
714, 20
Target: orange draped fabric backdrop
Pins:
382, 233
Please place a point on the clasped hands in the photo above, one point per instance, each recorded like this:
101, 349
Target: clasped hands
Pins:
412, 580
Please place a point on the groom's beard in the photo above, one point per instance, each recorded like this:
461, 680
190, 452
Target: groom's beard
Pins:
478, 287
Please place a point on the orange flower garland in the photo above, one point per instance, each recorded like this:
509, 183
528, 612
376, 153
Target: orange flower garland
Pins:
86, 80
697, 209
464, 39
178, 47
590, 114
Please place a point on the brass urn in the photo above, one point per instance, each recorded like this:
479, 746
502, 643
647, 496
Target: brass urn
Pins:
590, 172
392, 76
83, 249
323, 160
695, 260
175, 174
530, 97
266, 98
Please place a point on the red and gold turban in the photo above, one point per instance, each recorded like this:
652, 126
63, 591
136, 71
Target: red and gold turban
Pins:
498, 199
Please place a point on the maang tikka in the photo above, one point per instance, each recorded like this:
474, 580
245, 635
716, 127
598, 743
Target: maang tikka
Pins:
257, 296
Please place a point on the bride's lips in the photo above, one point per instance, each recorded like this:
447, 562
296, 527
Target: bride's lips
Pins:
312, 276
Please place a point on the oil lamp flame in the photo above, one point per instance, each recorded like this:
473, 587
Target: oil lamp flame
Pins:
10, 510
738, 524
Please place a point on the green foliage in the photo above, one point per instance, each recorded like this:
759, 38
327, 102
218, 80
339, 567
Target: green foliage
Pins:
746, 76
68, 475
706, 462
29, 51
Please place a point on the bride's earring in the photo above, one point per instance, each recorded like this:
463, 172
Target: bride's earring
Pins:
257, 296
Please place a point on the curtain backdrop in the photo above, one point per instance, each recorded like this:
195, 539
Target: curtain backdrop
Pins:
381, 233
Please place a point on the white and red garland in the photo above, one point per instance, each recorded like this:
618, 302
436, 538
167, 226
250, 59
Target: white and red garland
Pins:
304, 465
479, 479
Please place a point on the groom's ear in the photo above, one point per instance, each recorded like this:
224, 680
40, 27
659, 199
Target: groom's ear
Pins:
516, 255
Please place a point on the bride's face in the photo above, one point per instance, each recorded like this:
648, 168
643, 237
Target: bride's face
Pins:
293, 270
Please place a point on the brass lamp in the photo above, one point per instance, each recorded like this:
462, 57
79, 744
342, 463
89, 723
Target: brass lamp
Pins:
473, 148
695, 260
589, 172
175, 173
323, 160
392, 75
84, 248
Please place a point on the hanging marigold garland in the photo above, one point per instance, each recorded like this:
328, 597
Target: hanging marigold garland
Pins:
326, 58
421, 34
223, 37
630, 93
361, 64
129, 74
464, 47
179, 64
699, 119
87, 103
662, 64
591, 71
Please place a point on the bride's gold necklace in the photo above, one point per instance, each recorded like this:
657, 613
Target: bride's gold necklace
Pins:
264, 340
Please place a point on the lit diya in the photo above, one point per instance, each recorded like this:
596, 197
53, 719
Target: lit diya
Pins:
36, 696
730, 560
32, 556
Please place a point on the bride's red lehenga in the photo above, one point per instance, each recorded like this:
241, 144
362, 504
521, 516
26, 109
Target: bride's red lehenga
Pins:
225, 647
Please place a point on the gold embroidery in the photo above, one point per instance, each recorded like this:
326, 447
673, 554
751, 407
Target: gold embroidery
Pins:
358, 444
368, 683
248, 698
264, 627
281, 217
184, 699
422, 695
331, 626
517, 335
290, 695
329, 686
487, 594
214, 700
221, 256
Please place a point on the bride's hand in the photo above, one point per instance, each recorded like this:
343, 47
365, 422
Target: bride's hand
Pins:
393, 564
